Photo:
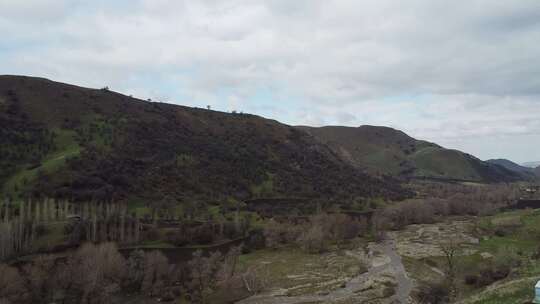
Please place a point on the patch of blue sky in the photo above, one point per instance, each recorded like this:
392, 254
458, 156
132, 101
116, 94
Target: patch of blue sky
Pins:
272, 103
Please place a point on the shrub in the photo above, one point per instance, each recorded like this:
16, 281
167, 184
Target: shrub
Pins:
100, 271
255, 279
203, 234
471, 279
433, 293
153, 234
500, 232
177, 238
11, 284
277, 234
135, 269
312, 240
41, 230
255, 241
156, 269
506, 259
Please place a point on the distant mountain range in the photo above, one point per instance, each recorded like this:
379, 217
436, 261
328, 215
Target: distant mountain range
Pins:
533, 165
525, 172
389, 151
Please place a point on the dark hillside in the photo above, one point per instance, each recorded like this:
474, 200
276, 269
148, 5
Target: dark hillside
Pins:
66, 141
390, 151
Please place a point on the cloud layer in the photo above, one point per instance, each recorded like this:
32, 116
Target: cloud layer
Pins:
464, 73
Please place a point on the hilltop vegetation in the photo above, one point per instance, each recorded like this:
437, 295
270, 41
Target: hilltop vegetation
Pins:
389, 151
64, 141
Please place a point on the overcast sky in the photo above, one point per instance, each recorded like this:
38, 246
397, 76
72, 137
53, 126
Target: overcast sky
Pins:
464, 74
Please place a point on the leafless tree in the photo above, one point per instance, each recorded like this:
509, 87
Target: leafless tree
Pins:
255, 279
101, 271
313, 240
230, 262
450, 250
11, 284
204, 274
36, 278
156, 269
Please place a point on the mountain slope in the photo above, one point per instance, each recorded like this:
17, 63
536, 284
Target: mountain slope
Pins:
66, 141
390, 151
525, 172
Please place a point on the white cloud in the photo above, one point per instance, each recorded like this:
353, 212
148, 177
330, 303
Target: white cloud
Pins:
445, 71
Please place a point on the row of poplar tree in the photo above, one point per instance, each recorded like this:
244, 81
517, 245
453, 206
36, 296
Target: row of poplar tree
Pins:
23, 223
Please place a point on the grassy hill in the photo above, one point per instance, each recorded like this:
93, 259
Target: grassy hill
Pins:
390, 151
60, 140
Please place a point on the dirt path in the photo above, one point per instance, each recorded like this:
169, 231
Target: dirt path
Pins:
385, 262
404, 283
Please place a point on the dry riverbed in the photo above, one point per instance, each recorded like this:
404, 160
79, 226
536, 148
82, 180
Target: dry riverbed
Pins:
384, 282
393, 270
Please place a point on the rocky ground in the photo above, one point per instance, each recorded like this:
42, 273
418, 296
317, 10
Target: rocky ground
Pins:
421, 241
387, 280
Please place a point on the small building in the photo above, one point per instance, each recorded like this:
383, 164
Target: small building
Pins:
537, 292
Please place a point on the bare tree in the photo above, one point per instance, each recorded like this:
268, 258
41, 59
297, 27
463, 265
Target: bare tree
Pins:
255, 279
36, 278
450, 250
11, 284
313, 240
230, 262
204, 274
102, 270
135, 268
156, 268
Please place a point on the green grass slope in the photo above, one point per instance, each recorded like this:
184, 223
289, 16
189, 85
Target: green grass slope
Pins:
389, 151
60, 140
519, 240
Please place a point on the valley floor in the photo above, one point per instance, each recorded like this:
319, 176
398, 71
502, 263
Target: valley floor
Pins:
385, 281
395, 269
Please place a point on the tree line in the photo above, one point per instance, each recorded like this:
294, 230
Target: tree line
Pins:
99, 274
24, 222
